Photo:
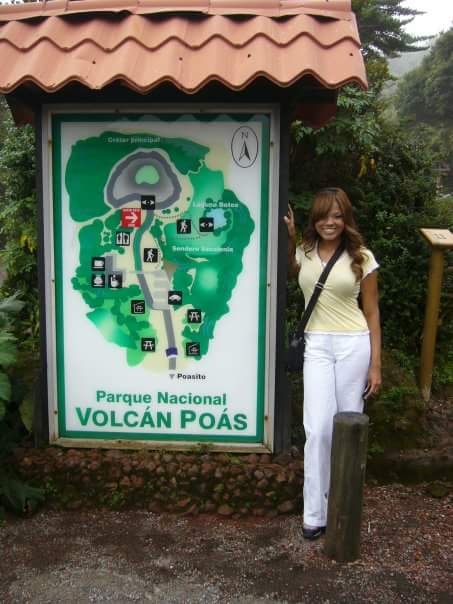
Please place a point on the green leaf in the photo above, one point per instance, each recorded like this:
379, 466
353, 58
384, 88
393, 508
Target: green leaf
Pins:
8, 350
18, 496
11, 305
5, 387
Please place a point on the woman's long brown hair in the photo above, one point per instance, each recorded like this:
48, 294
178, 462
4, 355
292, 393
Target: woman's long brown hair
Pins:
353, 240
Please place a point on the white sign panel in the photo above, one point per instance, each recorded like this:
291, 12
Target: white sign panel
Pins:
160, 229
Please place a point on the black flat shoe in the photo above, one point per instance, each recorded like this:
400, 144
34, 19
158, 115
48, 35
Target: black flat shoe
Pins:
313, 533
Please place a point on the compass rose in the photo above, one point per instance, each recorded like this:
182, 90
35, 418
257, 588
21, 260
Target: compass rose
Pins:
244, 147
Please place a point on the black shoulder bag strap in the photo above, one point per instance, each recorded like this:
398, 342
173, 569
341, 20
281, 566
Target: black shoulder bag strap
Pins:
318, 289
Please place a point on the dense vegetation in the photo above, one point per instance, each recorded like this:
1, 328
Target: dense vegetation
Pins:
19, 321
426, 94
425, 99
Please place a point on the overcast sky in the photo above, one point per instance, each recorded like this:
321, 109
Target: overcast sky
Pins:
438, 17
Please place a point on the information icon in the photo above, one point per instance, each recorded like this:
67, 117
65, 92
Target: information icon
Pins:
148, 344
183, 226
193, 349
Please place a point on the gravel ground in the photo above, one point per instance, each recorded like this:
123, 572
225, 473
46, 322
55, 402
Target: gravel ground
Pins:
136, 556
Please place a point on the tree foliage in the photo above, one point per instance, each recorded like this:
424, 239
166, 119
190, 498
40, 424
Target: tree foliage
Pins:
426, 93
424, 101
8, 347
391, 181
381, 26
18, 224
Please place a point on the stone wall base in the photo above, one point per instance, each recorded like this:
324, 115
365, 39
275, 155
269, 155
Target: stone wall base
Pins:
227, 484
191, 483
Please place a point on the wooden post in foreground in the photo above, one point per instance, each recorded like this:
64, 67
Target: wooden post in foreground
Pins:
344, 515
440, 240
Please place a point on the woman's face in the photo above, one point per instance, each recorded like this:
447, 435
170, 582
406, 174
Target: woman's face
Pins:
331, 227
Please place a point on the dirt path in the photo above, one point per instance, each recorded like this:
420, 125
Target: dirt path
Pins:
136, 556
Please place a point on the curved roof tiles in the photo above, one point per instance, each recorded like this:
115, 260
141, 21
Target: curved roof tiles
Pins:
143, 43
269, 8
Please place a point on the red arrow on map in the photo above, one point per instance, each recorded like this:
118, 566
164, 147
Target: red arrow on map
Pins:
131, 217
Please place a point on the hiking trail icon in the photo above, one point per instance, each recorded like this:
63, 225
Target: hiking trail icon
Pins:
184, 226
150, 254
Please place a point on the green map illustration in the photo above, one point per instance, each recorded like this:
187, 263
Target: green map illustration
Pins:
158, 284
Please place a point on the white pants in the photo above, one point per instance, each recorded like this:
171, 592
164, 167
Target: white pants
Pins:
335, 376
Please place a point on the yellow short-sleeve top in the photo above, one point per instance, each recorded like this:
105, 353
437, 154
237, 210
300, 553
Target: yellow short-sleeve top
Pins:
337, 309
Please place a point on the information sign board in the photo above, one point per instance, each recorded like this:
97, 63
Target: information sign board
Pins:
159, 239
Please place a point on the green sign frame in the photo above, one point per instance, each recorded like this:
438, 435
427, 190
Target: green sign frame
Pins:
78, 165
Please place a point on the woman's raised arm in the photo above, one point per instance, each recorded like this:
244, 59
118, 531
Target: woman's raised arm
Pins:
293, 267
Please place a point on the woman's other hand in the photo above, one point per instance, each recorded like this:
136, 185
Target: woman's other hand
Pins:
370, 306
374, 382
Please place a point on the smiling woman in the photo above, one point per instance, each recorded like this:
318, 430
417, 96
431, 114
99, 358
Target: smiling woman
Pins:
342, 359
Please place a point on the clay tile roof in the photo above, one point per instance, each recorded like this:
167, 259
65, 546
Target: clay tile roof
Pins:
143, 43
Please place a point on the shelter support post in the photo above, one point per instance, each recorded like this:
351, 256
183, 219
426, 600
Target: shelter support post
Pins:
282, 425
349, 450
40, 411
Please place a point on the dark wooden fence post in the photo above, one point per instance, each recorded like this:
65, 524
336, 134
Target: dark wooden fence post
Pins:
349, 450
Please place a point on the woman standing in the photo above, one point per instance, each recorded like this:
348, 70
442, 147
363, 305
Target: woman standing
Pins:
342, 362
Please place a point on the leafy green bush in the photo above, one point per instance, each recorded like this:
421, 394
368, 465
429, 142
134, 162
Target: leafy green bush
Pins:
18, 226
391, 182
8, 348
19, 497
15, 495
395, 415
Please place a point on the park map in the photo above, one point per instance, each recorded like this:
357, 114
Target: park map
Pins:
161, 243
